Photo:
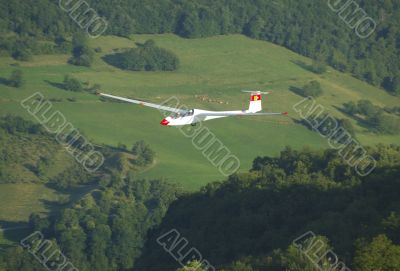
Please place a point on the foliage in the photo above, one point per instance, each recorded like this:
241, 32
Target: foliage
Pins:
385, 124
16, 79
106, 229
312, 89
192, 266
22, 54
328, 126
29, 154
350, 108
13, 124
146, 57
312, 29
82, 54
318, 66
19, 259
256, 214
395, 87
374, 116
144, 154
72, 84
280, 199
379, 254
70, 177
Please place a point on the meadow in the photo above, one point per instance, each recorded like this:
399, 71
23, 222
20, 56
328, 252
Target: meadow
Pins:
216, 68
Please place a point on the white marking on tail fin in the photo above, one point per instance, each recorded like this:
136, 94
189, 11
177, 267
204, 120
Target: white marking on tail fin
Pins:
255, 102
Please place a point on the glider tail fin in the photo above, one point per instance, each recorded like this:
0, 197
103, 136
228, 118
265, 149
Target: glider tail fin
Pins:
255, 102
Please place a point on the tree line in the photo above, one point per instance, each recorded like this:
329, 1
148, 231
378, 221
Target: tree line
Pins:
246, 222
306, 27
249, 221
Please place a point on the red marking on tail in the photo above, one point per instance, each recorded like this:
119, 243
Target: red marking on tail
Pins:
255, 98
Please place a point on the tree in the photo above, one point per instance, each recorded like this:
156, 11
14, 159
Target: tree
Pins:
255, 27
366, 108
72, 84
145, 155
22, 54
189, 25
318, 66
82, 54
381, 254
149, 44
350, 108
16, 79
395, 87
240, 266
338, 60
347, 125
146, 57
385, 123
192, 266
312, 89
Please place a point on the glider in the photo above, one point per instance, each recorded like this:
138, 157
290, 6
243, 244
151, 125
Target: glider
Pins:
182, 117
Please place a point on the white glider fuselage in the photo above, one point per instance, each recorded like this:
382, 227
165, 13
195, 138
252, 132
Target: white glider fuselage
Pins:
198, 115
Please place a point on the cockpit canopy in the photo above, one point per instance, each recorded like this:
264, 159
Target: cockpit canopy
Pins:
187, 113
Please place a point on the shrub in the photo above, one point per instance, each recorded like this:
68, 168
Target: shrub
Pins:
22, 54
72, 100
385, 124
16, 79
82, 55
318, 66
312, 89
72, 84
350, 108
347, 125
365, 107
146, 57
395, 86
145, 155
375, 117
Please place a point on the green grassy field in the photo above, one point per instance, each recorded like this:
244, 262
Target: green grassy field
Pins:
217, 67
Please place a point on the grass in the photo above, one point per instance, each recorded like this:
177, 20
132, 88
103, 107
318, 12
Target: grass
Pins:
24, 151
217, 67
18, 201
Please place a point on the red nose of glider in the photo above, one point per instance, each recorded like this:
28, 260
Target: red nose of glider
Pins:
164, 122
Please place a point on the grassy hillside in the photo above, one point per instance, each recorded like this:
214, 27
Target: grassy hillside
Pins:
18, 201
218, 68
25, 153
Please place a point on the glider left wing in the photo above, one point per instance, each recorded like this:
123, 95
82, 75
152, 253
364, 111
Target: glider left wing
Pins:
157, 106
